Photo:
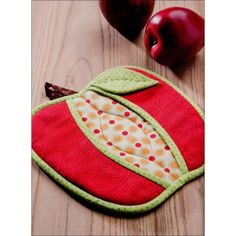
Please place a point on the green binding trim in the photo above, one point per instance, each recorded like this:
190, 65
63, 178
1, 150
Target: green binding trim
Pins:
165, 136
61, 99
95, 141
112, 206
122, 81
170, 189
197, 108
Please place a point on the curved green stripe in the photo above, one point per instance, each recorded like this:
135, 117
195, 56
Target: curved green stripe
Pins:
112, 206
95, 141
197, 108
165, 136
61, 99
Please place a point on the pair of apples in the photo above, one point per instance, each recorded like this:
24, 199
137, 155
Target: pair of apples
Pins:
172, 36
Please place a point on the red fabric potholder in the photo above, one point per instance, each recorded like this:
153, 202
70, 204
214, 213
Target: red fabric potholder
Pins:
126, 142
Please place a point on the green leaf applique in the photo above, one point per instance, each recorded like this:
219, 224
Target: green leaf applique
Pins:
122, 81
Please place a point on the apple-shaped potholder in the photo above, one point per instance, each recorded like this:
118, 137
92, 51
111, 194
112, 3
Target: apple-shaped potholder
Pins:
126, 142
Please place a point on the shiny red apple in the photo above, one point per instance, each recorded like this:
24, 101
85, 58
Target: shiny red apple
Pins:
174, 35
127, 16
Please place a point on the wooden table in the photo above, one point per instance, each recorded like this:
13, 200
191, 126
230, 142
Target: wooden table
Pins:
71, 43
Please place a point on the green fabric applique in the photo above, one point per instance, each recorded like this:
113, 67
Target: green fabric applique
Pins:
196, 107
122, 81
117, 128
96, 142
153, 122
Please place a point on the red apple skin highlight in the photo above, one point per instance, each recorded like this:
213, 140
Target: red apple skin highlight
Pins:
174, 35
127, 16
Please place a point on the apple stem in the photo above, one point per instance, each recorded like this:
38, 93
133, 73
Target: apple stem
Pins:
54, 91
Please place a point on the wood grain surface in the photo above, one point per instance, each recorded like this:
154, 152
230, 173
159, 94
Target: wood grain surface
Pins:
71, 43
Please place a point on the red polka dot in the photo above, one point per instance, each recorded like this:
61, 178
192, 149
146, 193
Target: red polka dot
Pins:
100, 112
109, 143
84, 119
152, 136
152, 158
124, 132
114, 102
96, 131
167, 148
111, 122
138, 145
122, 154
140, 125
126, 113
87, 100
167, 170
137, 165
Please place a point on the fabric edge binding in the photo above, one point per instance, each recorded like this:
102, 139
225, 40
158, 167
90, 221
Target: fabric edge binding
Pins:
113, 207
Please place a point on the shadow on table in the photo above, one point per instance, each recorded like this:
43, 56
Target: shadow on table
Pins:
182, 69
100, 209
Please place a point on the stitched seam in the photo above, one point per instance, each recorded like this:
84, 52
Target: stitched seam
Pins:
176, 153
110, 81
105, 80
113, 206
105, 204
61, 99
95, 141
197, 108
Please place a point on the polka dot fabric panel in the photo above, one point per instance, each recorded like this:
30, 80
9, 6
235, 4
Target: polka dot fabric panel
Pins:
127, 135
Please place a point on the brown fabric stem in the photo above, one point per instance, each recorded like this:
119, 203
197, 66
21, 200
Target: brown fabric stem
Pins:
54, 91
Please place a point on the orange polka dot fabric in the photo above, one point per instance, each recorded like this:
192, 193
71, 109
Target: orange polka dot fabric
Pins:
127, 135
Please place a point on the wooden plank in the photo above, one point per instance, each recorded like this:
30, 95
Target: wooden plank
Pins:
71, 43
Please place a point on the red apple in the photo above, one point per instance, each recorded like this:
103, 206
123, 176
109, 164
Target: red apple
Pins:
127, 16
174, 35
